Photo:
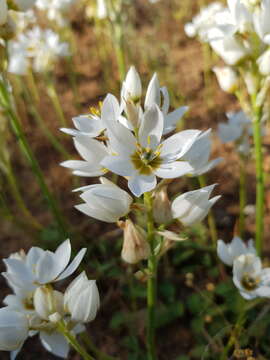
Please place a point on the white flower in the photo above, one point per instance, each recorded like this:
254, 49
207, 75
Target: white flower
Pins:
145, 156
261, 21
41, 267
3, 12
56, 10
229, 252
102, 11
81, 299
135, 246
227, 78
105, 202
250, 278
19, 62
193, 206
90, 125
264, 63
237, 129
13, 329
199, 153
132, 86
93, 152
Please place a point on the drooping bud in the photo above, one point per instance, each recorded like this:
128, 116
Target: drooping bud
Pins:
162, 206
135, 246
81, 299
227, 78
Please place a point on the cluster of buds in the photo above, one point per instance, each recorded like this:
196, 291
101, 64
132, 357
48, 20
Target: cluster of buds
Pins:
251, 279
240, 35
128, 139
35, 307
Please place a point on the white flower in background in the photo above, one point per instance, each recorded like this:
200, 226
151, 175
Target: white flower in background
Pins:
202, 22
102, 11
261, 21
135, 246
227, 78
56, 10
23, 5
105, 202
23, 20
3, 12
199, 153
14, 329
36, 48
93, 152
144, 157
238, 129
193, 206
41, 267
81, 299
250, 278
229, 252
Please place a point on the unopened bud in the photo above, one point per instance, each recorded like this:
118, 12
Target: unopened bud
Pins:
162, 207
135, 246
47, 302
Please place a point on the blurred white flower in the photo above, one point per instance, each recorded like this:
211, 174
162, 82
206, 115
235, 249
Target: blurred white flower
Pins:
227, 78
41, 267
56, 10
250, 278
81, 299
264, 63
193, 206
14, 329
102, 11
105, 202
229, 252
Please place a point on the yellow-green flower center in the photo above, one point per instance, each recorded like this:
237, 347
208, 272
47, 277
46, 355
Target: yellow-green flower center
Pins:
250, 283
146, 160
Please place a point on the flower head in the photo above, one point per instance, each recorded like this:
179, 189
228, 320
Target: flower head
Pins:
229, 252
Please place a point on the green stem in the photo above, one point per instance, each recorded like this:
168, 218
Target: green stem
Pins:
18, 198
26, 149
99, 354
210, 217
257, 136
235, 333
52, 93
73, 342
152, 281
242, 195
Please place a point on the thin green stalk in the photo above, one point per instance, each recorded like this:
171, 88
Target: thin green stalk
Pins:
257, 136
210, 217
73, 342
26, 149
242, 195
152, 281
235, 333
18, 198
99, 354
41, 123
52, 93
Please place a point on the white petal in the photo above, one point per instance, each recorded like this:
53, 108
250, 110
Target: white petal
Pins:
153, 93
73, 265
90, 149
62, 254
173, 170
119, 165
151, 128
172, 119
139, 184
55, 343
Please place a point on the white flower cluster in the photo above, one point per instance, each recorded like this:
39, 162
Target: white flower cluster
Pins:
127, 139
56, 10
239, 34
17, 5
36, 48
35, 307
249, 276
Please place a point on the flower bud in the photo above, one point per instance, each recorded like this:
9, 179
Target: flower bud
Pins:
193, 206
162, 207
81, 299
264, 63
227, 78
135, 246
133, 113
13, 329
153, 93
47, 302
132, 86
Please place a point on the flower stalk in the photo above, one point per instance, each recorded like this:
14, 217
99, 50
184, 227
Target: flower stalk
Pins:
152, 280
242, 195
257, 135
